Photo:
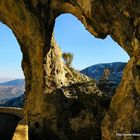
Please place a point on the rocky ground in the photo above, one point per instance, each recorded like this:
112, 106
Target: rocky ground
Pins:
79, 110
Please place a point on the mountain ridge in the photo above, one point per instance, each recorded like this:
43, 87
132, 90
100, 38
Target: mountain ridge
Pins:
107, 76
14, 82
96, 71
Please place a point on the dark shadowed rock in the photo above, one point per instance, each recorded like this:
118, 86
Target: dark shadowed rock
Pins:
77, 111
8, 124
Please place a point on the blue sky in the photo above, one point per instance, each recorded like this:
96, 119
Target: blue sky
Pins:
10, 54
72, 37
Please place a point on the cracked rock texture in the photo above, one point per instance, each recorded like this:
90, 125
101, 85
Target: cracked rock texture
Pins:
32, 22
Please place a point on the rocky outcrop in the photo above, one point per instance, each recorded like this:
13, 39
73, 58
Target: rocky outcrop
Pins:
71, 99
32, 22
57, 73
75, 112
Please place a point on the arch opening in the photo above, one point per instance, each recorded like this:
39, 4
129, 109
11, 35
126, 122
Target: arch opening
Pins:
12, 84
103, 60
80, 97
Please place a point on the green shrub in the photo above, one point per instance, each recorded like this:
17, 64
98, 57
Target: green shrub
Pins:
68, 57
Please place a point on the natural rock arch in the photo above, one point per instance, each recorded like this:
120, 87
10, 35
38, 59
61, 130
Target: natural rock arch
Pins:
98, 50
32, 22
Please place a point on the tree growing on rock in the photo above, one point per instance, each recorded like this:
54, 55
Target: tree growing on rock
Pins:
68, 57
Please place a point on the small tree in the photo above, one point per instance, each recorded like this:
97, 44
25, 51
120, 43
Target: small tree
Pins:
68, 57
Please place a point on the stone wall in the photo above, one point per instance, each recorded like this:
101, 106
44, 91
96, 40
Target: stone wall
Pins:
13, 111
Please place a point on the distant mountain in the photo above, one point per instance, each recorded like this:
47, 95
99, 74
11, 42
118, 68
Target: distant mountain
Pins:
2, 79
97, 71
16, 83
107, 75
11, 89
14, 102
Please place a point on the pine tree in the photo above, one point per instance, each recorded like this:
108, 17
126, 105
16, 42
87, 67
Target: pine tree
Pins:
68, 57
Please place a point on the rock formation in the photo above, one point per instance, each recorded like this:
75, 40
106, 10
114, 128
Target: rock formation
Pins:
74, 107
32, 22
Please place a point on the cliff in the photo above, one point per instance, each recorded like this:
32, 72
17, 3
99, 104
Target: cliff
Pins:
75, 105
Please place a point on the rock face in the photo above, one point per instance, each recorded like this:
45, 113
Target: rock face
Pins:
32, 22
72, 98
57, 73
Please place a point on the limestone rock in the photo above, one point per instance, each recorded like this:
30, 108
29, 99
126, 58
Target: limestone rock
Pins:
57, 73
71, 99
21, 132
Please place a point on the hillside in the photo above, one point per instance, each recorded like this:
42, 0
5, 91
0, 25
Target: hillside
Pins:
14, 102
11, 89
97, 71
107, 75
